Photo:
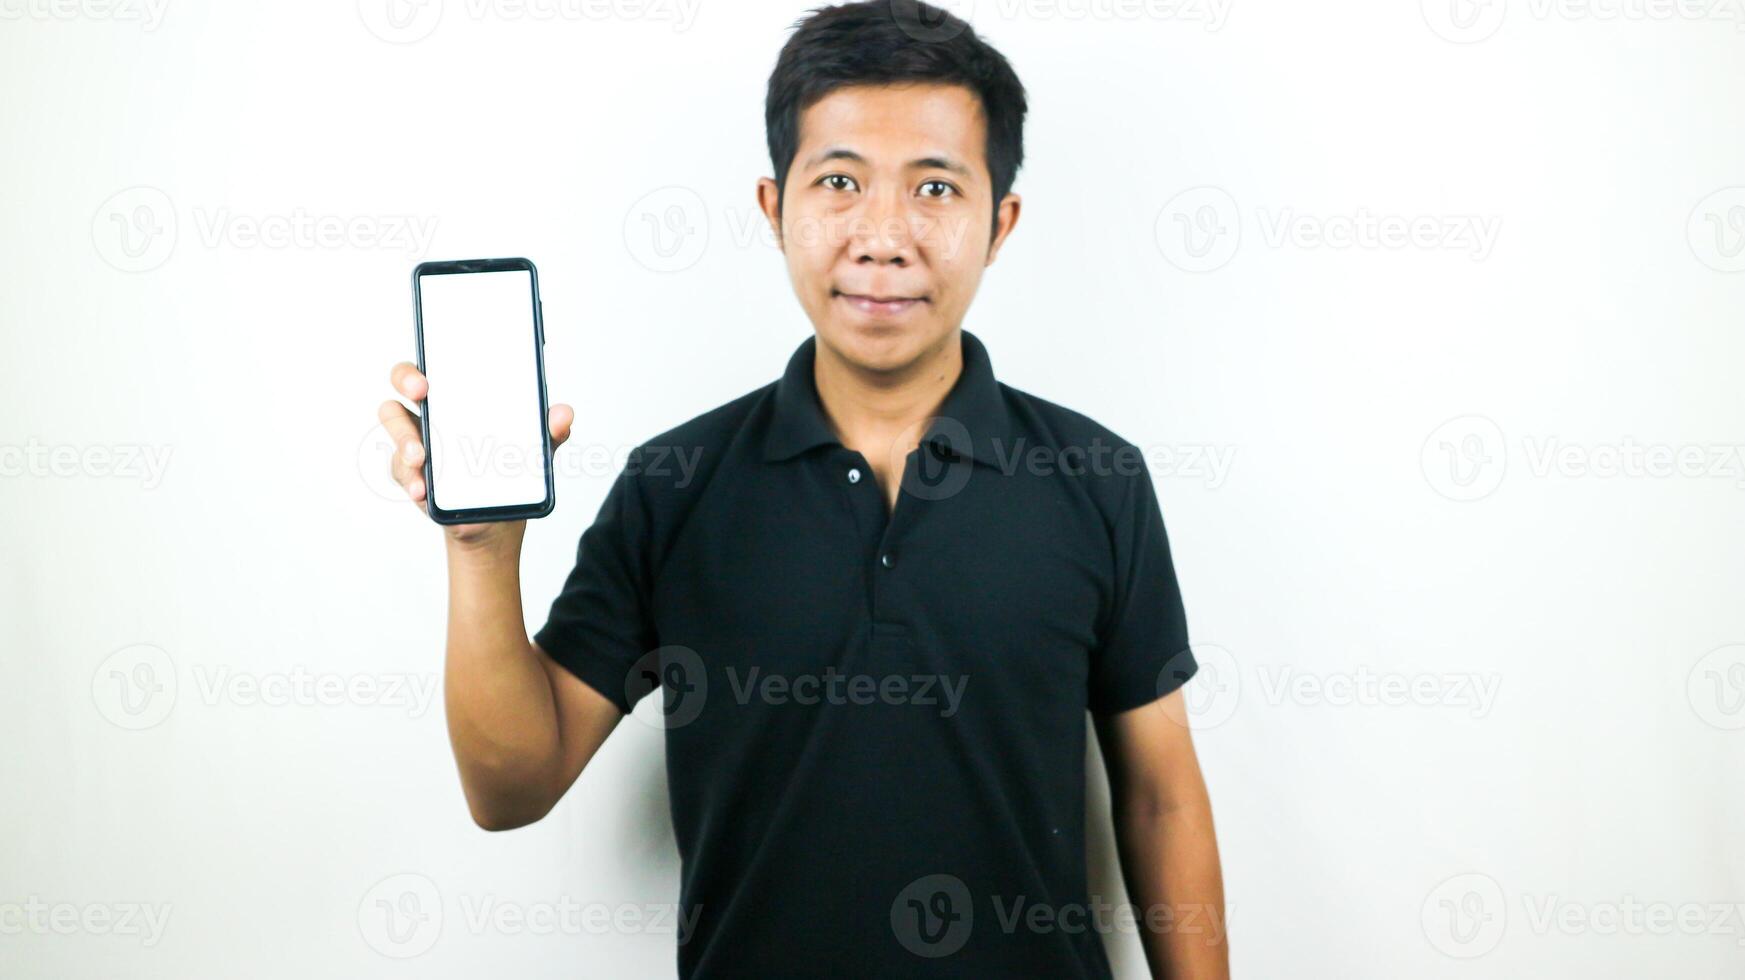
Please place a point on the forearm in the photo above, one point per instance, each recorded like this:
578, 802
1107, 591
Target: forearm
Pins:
1169, 857
502, 717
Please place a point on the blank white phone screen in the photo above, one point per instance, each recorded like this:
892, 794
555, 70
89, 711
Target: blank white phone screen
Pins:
487, 438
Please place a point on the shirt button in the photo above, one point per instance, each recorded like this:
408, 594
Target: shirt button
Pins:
854, 475
887, 560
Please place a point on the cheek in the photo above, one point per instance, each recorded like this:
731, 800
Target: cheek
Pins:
956, 275
809, 270
811, 234
807, 258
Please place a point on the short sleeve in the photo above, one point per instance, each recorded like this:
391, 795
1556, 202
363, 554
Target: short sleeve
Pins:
600, 624
1142, 650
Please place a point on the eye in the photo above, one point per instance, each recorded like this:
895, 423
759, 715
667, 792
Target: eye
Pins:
937, 189
844, 178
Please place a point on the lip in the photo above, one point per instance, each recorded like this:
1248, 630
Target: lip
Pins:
879, 306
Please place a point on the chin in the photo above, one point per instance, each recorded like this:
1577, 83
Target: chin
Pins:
873, 346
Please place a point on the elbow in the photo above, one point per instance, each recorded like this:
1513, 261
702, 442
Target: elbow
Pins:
506, 801
495, 822
500, 818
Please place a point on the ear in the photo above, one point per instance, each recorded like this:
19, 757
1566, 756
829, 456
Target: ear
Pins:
769, 201
1010, 205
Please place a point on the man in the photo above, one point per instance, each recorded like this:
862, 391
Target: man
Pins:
884, 601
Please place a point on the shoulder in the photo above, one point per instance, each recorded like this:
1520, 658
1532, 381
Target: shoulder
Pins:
714, 430
1050, 439
670, 468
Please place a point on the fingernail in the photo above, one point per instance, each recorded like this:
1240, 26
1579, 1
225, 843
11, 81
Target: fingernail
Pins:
411, 452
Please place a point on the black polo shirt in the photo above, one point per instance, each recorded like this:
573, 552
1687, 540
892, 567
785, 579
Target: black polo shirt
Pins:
875, 726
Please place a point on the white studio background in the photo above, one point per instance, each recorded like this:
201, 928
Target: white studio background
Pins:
1428, 317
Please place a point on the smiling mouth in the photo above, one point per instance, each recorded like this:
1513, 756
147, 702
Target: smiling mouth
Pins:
878, 305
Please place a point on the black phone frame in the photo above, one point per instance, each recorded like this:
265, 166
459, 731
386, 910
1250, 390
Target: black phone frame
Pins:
484, 515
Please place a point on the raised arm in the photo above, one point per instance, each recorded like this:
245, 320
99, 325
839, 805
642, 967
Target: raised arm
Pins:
522, 727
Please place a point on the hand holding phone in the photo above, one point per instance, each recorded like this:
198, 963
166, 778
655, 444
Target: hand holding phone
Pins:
481, 348
480, 454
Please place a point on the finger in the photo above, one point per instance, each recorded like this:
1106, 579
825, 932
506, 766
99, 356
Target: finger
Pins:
402, 429
409, 382
561, 418
396, 418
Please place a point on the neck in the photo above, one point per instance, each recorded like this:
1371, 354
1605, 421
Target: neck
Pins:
873, 410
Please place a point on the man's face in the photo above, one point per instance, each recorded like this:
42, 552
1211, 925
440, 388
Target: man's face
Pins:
886, 221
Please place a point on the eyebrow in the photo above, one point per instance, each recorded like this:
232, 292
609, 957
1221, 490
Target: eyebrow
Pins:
922, 163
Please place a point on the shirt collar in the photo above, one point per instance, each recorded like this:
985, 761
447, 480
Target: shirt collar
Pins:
971, 421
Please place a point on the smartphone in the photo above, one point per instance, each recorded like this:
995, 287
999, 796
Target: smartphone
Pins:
481, 346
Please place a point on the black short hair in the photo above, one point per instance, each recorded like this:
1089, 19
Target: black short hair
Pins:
880, 42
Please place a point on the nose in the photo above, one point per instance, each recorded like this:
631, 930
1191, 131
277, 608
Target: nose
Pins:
881, 234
